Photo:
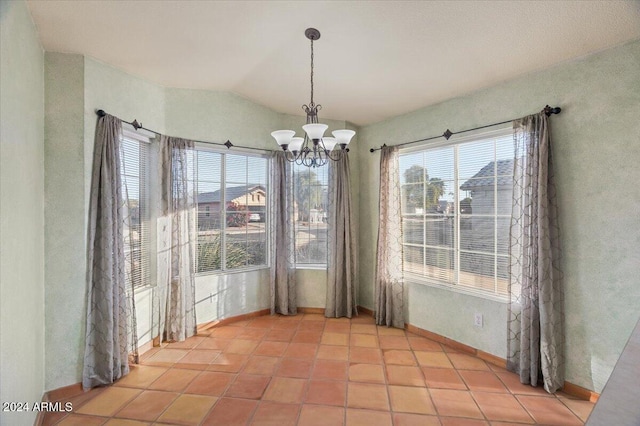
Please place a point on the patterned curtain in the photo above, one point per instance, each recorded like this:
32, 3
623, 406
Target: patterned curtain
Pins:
536, 307
283, 278
174, 297
109, 311
341, 281
389, 279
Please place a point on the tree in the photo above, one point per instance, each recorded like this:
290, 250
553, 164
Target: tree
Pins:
308, 192
420, 191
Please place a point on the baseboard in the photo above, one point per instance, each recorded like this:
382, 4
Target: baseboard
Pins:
367, 311
568, 387
318, 311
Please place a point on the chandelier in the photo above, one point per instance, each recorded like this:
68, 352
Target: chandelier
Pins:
314, 150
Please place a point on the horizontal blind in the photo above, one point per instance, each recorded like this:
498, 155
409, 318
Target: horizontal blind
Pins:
134, 156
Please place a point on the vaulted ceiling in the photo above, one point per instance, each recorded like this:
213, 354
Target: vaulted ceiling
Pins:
374, 60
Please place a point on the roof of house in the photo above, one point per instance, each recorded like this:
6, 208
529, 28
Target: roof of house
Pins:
485, 177
230, 194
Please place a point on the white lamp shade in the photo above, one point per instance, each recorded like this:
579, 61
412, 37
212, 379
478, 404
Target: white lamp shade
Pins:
329, 143
283, 137
315, 130
296, 144
343, 136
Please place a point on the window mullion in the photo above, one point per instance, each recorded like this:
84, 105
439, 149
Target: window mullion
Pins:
223, 219
456, 212
495, 217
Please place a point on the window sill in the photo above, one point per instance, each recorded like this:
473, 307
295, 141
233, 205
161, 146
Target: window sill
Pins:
312, 267
418, 280
232, 271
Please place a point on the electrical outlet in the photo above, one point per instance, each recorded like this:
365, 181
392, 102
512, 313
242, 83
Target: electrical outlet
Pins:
477, 319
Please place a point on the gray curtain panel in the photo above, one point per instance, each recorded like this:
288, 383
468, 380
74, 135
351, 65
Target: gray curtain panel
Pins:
174, 313
536, 306
108, 310
389, 280
283, 278
341, 280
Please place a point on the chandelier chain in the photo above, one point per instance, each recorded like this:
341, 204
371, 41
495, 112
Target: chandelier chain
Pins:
311, 72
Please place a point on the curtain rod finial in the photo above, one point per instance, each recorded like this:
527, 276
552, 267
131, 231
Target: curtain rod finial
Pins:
100, 113
551, 110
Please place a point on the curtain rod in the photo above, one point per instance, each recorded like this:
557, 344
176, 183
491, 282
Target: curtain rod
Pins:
448, 133
136, 125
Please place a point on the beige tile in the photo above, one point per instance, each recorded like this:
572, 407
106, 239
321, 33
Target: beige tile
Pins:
394, 342
482, 381
432, 359
368, 373
247, 386
580, 408
443, 378
214, 343
399, 357
338, 353
230, 412
263, 365
357, 417
231, 363
364, 340
276, 414
78, 420
424, 344
240, 346
330, 369
199, 359
166, 357
467, 362
189, 343
455, 403
369, 396
390, 331
174, 380
548, 410
337, 328
285, 389
408, 419
148, 405
141, 376
502, 407
365, 355
404, 375
280, 335
336, 339
364, 329
326, 392
305, 336
210, 383
295, 367
188, 409
301, 350
125, 422
320, 415
268, 348
109, 402
411, 400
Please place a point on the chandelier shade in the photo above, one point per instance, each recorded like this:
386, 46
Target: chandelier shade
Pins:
314, 149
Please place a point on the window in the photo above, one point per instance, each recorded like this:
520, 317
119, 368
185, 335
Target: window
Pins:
310, 194
134, 154
456, 209
232, 230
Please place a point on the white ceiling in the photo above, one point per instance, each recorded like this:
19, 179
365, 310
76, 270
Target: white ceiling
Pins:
374, 59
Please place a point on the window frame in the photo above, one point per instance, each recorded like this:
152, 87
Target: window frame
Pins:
200, 146
455, 141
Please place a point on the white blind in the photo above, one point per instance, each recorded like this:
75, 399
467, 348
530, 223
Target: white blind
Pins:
456, 206
232, 196
134, 155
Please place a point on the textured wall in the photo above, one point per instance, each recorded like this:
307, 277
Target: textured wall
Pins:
596, 152
21, 212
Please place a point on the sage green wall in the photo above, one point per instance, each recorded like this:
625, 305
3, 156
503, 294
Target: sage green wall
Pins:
596, 149
21, 211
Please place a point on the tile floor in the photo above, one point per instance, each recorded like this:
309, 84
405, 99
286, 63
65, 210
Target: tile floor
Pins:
308, 370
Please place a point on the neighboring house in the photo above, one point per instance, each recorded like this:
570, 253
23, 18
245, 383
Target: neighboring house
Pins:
251, 197
490, 187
